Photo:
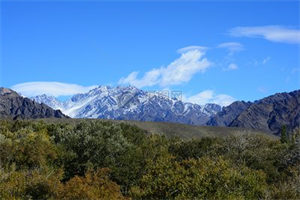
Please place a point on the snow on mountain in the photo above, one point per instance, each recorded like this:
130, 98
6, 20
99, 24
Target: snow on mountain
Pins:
48, 100
130, 103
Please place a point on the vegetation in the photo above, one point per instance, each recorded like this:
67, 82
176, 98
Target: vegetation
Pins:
95, 159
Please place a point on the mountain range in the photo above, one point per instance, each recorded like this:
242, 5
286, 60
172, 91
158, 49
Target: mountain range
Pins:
269, 114
14, 106
131, 103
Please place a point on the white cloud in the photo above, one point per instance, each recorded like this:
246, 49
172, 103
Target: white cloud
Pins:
271, 33
232, 47
150, 78
181, 70
209, 96
231, 66
191, 48
200, 98
56, 89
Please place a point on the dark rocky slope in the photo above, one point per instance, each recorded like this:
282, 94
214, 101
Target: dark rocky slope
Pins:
228, 113
271, 113
14, 106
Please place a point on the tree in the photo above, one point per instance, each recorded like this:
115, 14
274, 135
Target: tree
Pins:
284, 136
94, 185
203, 178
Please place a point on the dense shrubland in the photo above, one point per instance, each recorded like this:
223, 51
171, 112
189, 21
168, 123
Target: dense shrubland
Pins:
105, 160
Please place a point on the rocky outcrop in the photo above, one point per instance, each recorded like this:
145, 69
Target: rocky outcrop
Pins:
271, 113
14, 106
228, 114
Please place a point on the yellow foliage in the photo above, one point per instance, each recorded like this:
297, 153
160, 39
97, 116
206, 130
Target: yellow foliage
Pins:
95, 185
29, 184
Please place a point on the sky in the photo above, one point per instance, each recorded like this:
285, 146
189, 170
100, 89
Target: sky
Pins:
211, 51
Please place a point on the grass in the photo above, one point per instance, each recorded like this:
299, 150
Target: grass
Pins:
183, 131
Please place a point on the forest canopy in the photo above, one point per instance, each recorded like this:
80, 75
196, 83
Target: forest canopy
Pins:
97, 159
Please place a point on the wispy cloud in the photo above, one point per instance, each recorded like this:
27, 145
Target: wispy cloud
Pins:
191, 48
231, 66
181, 70
56, 89
265, 60
262, 61
271, 33
232, 47
209, 96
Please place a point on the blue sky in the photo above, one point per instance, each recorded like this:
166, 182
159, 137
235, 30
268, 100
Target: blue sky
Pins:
211, 51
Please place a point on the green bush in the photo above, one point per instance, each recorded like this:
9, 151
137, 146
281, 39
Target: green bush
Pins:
95, 159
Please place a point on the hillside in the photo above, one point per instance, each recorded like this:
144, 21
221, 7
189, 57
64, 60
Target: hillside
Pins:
228, 113
269, 114
183, 131
14, 106
105, 159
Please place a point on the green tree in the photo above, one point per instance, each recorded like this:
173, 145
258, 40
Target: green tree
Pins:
203, 178
283, 135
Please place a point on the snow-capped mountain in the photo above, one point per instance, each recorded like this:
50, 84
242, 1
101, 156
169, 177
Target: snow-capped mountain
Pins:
49, 100
130, 103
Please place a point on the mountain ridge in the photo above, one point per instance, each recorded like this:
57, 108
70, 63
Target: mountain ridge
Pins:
272, 113
269, 114
14, 106
130, 103
228, 113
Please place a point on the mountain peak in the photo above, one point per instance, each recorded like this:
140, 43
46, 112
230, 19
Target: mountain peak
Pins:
268, 114
14, 106
131, 103
6, 91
